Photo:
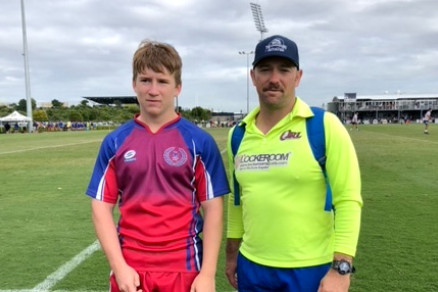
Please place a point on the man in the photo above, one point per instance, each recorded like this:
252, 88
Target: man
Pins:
426, 120
161, 169
354, 121
280, 238
7, 127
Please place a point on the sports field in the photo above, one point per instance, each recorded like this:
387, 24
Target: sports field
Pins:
47, 242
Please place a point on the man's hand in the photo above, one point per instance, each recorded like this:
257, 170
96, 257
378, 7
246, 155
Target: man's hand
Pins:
232, 251
334, 282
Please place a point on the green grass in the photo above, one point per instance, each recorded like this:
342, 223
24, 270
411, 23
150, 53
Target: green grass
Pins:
45, 216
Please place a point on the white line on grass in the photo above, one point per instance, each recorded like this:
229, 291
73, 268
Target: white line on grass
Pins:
405, 138
45, 147
59, 274
66, 268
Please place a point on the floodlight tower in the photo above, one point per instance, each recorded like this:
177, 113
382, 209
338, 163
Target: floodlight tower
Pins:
258, 18
247, 53
26, 70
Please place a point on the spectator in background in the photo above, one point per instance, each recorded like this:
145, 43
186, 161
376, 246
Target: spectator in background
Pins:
354, 121
7, 127
426, 120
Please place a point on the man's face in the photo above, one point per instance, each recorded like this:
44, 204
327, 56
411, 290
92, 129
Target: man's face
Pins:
155, 93
275, 80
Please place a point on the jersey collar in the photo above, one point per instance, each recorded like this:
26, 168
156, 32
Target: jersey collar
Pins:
300, 109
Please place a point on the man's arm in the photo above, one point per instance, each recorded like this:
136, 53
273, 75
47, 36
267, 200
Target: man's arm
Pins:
102, 214
232, 250
333, 281
344, 176
211, 241
234, 223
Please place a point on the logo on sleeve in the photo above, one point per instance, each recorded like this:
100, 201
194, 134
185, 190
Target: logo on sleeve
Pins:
129, 156
175, 156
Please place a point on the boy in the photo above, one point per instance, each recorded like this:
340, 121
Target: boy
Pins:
161, 169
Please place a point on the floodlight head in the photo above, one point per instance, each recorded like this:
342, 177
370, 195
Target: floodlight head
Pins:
258, 17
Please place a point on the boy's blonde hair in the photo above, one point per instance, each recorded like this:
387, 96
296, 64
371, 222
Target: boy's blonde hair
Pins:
157, 57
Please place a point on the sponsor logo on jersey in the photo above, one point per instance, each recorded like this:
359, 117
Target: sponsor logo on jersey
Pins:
129, 156
262, 161
175, 156
290, 135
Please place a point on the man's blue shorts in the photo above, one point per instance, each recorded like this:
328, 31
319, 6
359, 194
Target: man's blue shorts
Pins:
252, 277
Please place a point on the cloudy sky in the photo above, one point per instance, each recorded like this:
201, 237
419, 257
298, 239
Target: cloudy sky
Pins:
84, 47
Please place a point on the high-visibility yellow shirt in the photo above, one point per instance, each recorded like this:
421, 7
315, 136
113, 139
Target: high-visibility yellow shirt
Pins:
281, 217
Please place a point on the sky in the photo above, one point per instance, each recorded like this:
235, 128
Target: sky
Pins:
82, 48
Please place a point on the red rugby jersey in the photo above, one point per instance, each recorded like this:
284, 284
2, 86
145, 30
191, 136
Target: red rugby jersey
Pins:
159, 180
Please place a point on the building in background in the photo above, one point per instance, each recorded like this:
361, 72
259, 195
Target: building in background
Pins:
384, 108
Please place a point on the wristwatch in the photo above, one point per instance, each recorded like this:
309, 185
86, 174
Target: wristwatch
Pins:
343, 267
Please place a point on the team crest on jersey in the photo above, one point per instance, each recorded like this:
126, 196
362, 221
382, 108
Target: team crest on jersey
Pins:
290, 135
129, 156
175, 156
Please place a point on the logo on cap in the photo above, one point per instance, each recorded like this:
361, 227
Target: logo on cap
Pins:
276, 45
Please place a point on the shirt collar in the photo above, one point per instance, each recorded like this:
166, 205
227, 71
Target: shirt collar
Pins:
300, 109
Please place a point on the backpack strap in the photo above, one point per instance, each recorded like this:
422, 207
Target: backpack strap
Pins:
316, 137
236, 139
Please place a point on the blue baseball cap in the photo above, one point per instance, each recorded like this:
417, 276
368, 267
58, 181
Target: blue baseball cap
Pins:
277, 46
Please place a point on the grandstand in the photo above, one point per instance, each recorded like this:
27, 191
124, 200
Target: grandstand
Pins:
111, 100
384, 108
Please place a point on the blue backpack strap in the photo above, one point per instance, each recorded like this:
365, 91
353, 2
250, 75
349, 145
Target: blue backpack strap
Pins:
316, 136
236, 139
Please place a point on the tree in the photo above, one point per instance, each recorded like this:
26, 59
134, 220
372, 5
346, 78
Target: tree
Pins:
75, 116
132, 108
4, 110
117, 103
56, 103
84, 103
40, 115
199, 114
22, 105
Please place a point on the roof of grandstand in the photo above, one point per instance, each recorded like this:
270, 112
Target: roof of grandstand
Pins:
112, 99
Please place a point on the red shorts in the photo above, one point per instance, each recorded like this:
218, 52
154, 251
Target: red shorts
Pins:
161, 281
155, 275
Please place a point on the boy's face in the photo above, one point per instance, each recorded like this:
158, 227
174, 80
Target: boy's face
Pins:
155, 94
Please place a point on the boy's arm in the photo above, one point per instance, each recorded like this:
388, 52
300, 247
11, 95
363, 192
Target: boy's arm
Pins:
102, 214
212, 236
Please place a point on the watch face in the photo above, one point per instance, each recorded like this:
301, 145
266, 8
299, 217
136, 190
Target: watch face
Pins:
344, 267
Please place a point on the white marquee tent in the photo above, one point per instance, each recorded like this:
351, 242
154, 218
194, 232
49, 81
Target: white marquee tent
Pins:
15, 117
